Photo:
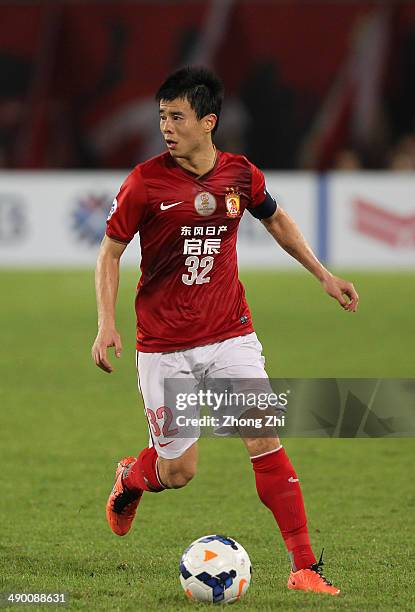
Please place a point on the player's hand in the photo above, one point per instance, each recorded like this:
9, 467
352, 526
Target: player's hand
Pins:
105, 339
342, 291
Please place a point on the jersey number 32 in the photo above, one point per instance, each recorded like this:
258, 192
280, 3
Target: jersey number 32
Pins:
197, 270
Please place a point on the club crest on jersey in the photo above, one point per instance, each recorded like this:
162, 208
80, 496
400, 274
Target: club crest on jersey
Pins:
205, 204
233, 202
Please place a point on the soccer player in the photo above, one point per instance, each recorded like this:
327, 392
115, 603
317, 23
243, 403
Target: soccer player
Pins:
192, 317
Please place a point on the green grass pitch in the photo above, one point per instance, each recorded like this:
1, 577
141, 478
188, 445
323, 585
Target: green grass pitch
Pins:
64, 424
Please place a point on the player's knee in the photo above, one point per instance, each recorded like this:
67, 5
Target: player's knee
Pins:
180, 477
259, 446
177, 473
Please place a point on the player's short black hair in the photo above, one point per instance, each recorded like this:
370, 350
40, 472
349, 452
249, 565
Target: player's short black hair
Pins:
199, 86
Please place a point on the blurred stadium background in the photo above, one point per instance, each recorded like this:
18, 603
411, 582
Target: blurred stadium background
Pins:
310, 84
321, 96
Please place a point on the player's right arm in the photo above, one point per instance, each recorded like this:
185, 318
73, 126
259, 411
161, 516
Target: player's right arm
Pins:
126, 214
107, 275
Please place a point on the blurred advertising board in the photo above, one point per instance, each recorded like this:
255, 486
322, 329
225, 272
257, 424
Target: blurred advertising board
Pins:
363, 220
371, 220
55, 218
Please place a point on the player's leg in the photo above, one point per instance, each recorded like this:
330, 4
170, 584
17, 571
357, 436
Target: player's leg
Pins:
168, 462
152, 473
276, 481
279, 490
177, 473
148, 472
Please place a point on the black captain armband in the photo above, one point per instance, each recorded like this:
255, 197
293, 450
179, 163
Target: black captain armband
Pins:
266, 209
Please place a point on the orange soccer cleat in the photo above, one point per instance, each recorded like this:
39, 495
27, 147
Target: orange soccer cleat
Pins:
312, 579
122, 503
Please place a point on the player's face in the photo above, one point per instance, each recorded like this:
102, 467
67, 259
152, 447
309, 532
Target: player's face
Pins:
185, 135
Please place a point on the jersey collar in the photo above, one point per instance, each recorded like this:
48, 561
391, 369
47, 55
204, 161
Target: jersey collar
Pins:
192, 174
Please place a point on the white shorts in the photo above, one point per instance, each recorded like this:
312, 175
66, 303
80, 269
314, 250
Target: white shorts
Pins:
235, 358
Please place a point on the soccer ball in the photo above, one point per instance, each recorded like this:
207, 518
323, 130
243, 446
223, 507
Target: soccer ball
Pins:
216, 569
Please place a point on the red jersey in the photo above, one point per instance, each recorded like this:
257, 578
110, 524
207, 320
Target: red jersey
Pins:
189, 293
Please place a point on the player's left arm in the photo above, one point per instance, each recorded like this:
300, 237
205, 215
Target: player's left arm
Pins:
288, 235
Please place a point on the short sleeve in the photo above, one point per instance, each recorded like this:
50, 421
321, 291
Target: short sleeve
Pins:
258, 190
128, 209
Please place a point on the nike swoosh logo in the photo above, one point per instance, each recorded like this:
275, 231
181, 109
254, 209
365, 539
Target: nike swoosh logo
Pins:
291, 479
166, 444
164, 206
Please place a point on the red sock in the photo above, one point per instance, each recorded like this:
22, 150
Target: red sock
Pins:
143, 473
274, 477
